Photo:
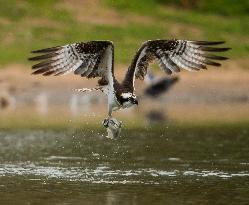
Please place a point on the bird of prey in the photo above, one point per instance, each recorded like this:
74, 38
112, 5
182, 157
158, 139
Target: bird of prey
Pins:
96, 59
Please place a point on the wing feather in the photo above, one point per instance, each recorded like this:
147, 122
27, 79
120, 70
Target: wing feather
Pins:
83, 58
182, 54
46, 50
172, 56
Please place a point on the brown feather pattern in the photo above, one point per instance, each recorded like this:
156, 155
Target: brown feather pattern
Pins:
82, 58
172, 56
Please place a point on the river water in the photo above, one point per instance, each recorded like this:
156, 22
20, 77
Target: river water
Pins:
156, 165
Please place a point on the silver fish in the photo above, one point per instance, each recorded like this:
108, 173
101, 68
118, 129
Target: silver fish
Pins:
113, 127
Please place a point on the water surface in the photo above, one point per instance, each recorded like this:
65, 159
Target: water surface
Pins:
156, 165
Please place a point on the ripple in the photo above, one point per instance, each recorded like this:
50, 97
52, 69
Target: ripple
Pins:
51, 158
103, 174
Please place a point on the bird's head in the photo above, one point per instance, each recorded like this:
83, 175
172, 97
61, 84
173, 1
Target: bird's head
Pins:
128, 99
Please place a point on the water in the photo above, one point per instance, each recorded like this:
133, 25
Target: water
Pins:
158, 165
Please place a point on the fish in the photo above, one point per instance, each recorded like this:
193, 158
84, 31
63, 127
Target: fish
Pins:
113, 127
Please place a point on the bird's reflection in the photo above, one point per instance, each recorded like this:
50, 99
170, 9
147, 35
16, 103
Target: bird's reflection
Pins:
113, 198
156, 88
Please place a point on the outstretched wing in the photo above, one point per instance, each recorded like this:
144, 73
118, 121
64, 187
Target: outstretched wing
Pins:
172, 56
88, 59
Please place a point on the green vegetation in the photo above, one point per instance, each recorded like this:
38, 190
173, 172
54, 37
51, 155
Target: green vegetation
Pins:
27, 25
223, 7
220, 7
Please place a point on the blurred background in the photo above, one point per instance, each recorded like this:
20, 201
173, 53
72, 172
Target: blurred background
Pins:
215, 95
53, 148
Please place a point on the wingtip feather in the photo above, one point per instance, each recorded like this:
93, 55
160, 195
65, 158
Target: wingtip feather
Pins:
43, 57
47, 50
214, 49
207, 43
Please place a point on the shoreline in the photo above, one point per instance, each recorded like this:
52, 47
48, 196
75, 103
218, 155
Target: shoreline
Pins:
213, 95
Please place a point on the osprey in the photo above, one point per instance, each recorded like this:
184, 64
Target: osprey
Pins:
96, 59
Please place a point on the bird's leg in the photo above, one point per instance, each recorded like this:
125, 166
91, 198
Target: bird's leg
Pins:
109, 112
105, 122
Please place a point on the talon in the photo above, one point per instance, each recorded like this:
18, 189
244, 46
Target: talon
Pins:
105, 122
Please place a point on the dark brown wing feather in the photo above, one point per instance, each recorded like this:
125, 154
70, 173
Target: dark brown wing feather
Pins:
88, 59
172, 56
